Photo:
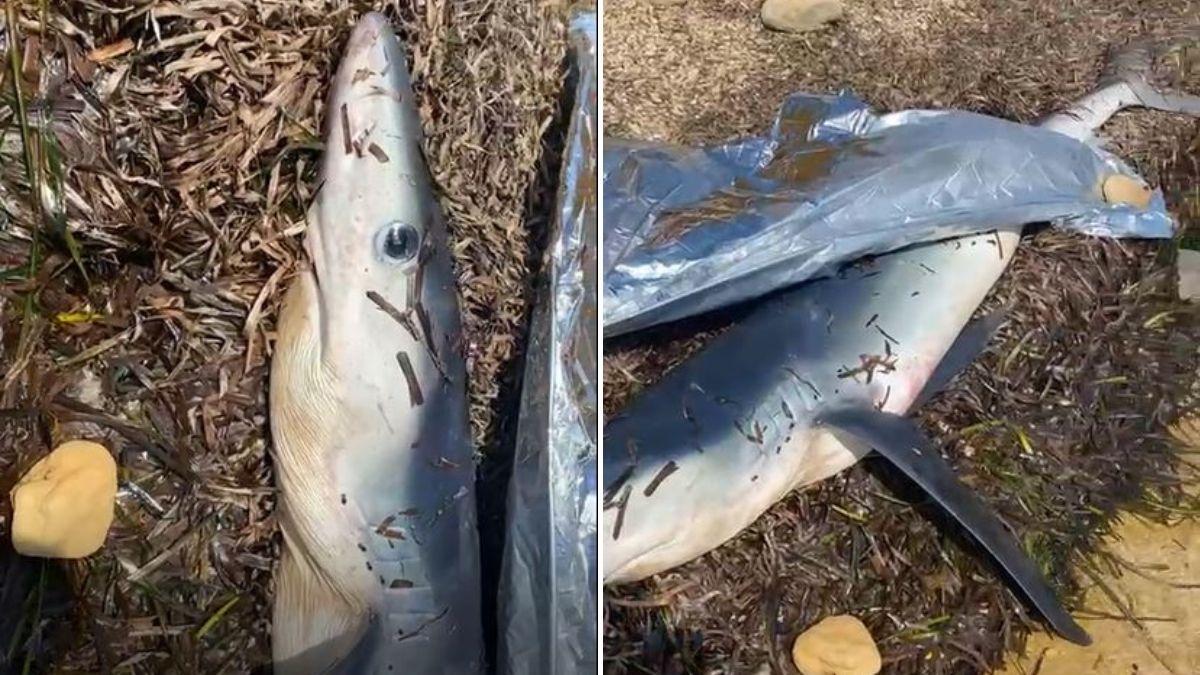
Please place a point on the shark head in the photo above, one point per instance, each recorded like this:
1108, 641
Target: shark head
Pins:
374, 229
368, 400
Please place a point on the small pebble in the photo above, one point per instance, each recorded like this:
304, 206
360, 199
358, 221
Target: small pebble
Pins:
798, 16
1120, 189
838, 645
1187, 265
63, 506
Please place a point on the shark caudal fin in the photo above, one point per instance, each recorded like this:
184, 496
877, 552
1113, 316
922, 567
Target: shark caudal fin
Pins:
905, 446
1125, 84
1133, 65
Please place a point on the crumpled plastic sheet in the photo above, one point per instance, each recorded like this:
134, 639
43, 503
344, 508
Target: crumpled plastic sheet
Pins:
548, 580
689, 230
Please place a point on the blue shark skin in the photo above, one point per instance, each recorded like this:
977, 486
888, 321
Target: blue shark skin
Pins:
813, 379
738, 420
380, 565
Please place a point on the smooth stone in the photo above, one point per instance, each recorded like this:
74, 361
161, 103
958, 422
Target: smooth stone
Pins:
798, 16
1120, 189
63, 506
838, 645
1187, 266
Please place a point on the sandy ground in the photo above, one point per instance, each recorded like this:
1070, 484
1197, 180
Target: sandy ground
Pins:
1144, 607
1085, 313
1158, 584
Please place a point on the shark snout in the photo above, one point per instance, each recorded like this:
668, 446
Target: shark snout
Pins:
367, 32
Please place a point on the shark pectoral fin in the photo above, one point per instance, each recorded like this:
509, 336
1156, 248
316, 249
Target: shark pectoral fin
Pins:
313, 629
969, 344
905, 446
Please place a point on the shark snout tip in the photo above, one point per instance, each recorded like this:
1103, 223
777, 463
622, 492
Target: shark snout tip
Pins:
372, 24
372, 29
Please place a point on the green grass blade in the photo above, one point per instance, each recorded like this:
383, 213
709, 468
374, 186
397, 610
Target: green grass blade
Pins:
31, 171
216, 617
58, 216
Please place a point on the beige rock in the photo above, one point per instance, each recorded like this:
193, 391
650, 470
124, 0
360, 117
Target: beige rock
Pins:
1119, 189
838, 645
796, 16
1187, 266
63, 506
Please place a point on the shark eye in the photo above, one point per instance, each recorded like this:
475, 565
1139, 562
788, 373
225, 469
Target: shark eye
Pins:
398, 243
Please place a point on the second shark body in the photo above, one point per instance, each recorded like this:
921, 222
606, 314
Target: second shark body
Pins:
812, 380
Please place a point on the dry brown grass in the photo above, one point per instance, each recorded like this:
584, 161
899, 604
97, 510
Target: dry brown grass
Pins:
1087, 371
189, 134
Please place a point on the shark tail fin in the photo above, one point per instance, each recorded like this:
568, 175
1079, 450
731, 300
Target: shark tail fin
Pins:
905, 446
1133, 64
1126, 83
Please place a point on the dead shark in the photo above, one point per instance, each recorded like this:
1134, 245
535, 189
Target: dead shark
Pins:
380, 566
812, 380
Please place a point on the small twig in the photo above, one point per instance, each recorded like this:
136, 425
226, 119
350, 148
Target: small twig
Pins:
1096, 614
96, 349
82, 412
1125, 564
161, 557
660, 600
423, 626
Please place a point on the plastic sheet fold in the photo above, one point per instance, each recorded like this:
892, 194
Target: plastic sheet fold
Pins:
689, 230
547, 594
